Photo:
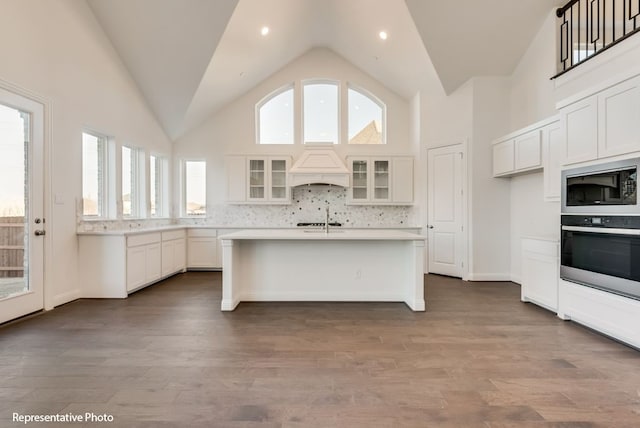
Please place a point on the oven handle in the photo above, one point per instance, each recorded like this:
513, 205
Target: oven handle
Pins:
609, 231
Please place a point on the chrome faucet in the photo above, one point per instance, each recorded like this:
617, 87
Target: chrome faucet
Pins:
326, 221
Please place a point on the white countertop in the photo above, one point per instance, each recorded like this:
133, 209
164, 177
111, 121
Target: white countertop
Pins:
138, 231
335, 234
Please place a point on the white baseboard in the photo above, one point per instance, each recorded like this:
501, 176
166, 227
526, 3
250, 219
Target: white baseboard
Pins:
516, 279
67, 297
489, 276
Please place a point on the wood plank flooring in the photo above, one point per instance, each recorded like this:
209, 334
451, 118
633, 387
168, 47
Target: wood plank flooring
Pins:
167, 357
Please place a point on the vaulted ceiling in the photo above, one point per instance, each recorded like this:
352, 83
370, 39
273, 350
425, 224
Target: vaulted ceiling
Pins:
190, 58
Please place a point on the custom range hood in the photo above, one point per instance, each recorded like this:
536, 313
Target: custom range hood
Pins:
319, 165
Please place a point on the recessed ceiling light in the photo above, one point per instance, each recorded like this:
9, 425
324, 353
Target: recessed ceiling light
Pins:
383, 35
264, 31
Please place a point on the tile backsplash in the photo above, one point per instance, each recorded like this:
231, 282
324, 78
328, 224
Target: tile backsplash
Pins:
308, 205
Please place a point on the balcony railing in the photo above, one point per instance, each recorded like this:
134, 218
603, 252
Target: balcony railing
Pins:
589, 27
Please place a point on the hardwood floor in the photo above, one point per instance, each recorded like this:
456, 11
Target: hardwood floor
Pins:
168, 356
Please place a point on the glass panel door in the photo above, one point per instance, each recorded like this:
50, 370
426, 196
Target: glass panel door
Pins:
256, 179
14, 129
22, 227
359, 187
381, 180
278, 179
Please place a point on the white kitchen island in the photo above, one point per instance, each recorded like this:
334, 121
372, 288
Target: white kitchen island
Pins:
312, 265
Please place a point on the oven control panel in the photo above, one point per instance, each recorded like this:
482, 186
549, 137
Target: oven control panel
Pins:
613, 221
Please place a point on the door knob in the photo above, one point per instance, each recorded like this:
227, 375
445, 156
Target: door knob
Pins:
429, 226
40, 232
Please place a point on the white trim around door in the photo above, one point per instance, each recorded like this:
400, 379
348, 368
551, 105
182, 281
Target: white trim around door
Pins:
447, 208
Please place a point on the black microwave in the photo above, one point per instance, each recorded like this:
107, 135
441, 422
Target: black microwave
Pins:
606, 188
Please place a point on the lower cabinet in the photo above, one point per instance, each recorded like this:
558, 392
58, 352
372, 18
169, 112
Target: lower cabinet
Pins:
174, 258
540, 272
144, 260
202, 249
112, 265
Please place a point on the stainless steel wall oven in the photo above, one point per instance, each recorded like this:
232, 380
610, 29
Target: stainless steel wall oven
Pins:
602, 252
600, 236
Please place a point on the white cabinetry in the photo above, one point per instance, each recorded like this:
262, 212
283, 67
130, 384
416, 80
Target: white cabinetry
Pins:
381, 180
173, 252
540, 272
619, 119
258, 179
604, 124
608, 313
113, 265
144, 260
202, 249
518, 153
503, 158
580, 121
553, 154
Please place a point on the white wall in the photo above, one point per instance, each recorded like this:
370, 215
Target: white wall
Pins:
533, 98
477, 113
489, 208
232, 129
55, 49
447, 119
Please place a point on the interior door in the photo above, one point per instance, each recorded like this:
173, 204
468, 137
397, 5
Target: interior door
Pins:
445, 179
22, 226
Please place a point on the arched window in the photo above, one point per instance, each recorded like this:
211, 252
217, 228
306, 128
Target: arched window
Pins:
366, 118
275, 117
321, 112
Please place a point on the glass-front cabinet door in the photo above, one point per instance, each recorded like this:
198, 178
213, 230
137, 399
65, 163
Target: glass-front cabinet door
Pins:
279, 188
257, 179
359, 180
381, 180
267, 179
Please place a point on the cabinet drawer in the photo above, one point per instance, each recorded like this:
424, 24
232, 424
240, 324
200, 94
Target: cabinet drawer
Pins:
143, 239
173, 234
208, 233
540, 246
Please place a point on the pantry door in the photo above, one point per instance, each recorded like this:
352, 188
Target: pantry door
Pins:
22, 225
446, 178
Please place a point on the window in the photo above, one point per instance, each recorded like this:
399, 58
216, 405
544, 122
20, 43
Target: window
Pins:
275, 118
132, 182
195, 188
321, 113
94, 154
158, 178
365, 118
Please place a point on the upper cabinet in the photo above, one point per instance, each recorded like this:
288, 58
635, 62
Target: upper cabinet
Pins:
580, 122
604, 124
536, 147
619, 119
519, 152
381, 180
258, 179
553, 154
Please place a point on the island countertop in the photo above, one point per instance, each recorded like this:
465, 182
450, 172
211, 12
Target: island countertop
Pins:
334, 234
